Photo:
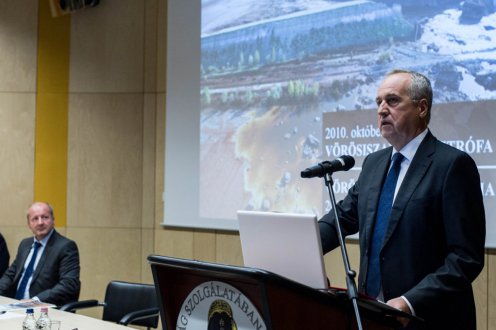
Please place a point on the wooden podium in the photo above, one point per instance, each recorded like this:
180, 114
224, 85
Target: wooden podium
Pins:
281, 303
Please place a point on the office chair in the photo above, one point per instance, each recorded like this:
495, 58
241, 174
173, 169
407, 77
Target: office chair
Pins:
125, 303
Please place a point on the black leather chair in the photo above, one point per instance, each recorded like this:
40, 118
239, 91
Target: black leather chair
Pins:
125, 303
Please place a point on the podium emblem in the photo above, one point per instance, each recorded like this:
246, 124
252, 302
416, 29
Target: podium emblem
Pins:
215, 305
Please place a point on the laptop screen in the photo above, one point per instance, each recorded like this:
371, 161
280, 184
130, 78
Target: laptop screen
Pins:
286, 244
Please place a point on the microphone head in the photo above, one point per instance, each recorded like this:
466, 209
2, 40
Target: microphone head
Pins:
343, 163
305, 174
348, 161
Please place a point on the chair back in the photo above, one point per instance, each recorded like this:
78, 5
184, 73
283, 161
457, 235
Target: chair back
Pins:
122, 298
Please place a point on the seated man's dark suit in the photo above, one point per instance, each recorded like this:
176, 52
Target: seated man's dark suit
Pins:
56, 277
4, 255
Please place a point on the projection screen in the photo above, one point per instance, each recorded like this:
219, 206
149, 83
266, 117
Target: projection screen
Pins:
258, 90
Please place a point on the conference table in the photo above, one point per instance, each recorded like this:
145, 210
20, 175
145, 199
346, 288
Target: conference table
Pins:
12, 319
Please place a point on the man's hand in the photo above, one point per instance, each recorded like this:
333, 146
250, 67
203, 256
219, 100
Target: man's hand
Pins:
400, 303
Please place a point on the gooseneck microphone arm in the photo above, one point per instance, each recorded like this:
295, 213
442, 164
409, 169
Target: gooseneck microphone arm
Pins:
350, 274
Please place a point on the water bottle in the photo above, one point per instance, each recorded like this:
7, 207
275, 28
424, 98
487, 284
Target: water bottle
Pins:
29, 322
43, 322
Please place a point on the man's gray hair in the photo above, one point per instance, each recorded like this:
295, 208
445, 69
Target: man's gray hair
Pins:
420, 88
50, 209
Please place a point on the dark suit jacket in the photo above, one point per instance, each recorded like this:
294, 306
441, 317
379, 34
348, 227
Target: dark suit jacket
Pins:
56, 277
4, 255
434, 244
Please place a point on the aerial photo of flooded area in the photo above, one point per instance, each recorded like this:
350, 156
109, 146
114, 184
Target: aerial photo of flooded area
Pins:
270, 69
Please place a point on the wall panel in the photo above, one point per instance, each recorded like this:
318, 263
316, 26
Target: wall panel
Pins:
105, 160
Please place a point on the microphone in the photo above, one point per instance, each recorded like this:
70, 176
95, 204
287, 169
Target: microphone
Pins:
343, 163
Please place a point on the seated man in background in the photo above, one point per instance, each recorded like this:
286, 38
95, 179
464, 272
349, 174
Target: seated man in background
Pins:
4, 255
46, 267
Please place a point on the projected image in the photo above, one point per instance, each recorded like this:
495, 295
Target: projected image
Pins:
277, 77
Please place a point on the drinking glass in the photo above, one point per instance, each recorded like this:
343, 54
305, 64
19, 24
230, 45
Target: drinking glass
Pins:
55, 324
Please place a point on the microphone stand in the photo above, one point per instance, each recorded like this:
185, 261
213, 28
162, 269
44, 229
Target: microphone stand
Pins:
350, 274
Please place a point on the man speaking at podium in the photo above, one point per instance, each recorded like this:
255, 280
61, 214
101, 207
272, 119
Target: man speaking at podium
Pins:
419, 212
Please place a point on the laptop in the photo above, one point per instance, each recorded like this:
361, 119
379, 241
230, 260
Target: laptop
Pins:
287, 244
